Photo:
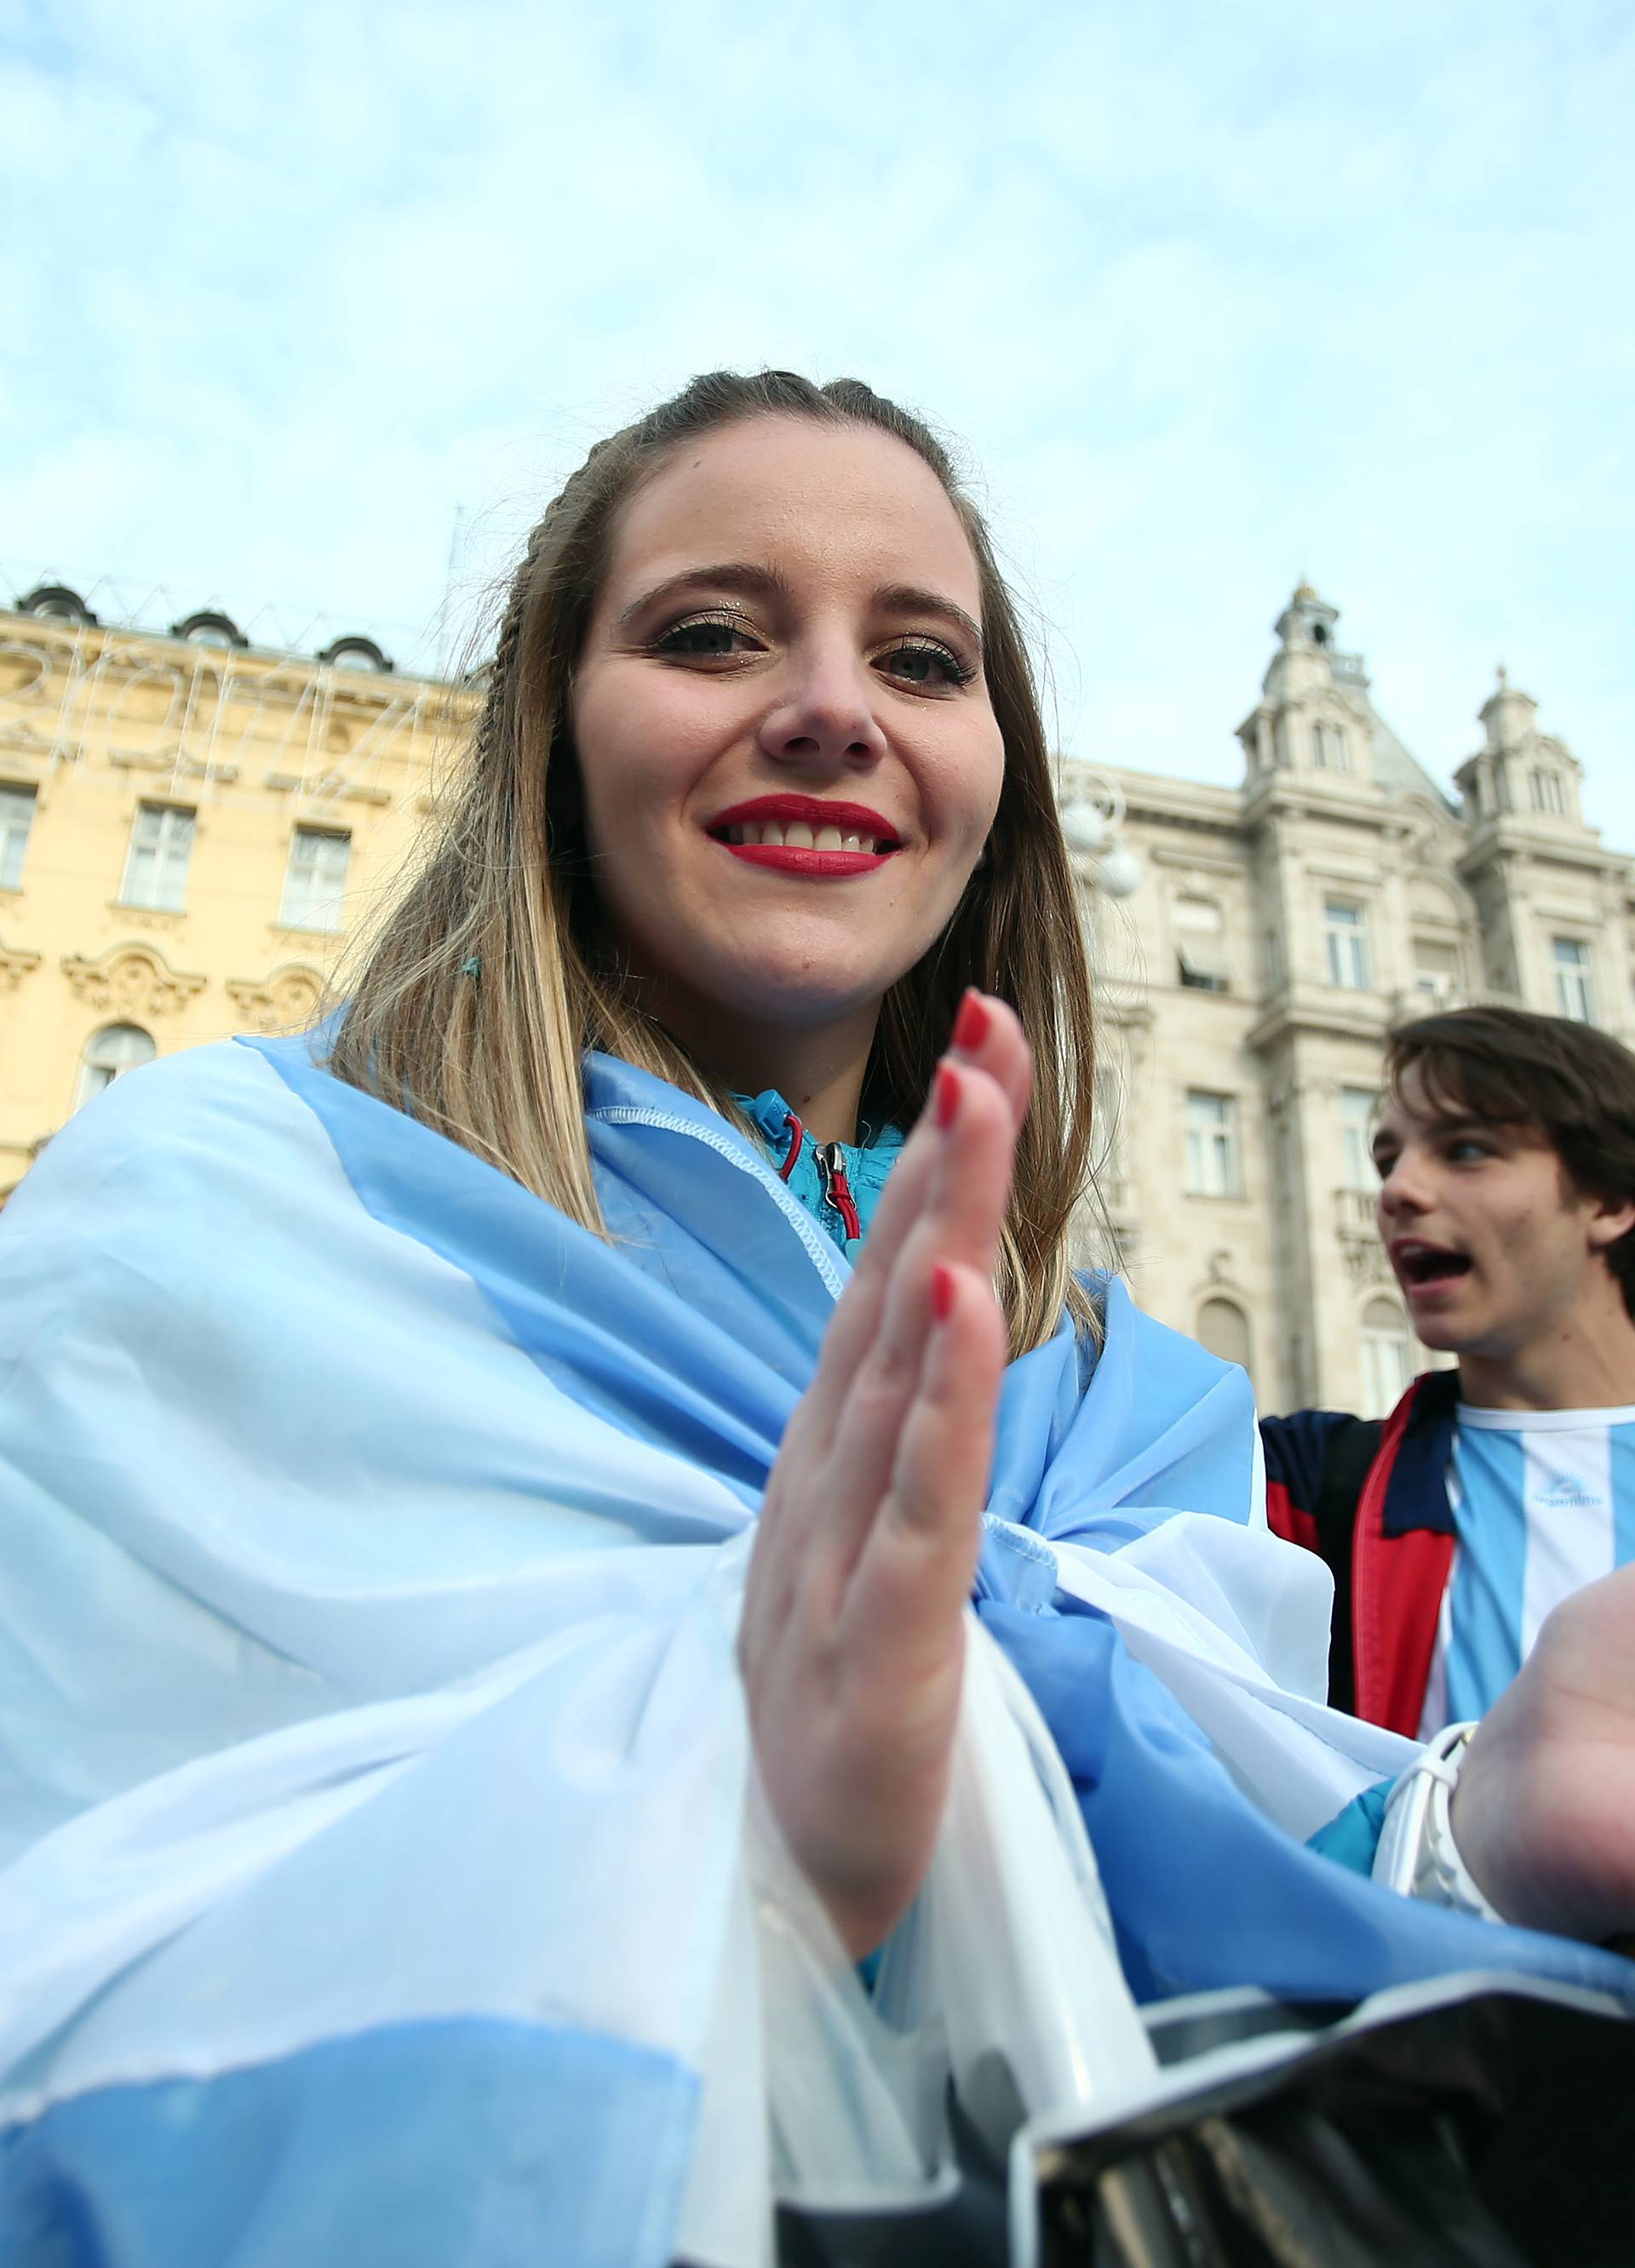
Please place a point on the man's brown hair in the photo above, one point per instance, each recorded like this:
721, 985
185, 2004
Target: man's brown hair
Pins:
1508, 1066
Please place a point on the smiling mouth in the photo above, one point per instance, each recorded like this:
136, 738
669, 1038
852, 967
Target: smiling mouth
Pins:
797, 835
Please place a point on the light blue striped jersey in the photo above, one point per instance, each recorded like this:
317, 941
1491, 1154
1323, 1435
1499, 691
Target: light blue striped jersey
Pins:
1544, 1502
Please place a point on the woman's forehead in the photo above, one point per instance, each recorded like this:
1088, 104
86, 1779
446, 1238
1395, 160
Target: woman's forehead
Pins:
791, 491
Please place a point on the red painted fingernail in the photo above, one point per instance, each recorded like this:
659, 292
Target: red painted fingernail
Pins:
970, 1026
941, 1292
945, 1096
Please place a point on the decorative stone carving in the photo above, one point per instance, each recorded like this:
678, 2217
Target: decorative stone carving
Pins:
1365, 1260
132, 982
14, 966
289, 1000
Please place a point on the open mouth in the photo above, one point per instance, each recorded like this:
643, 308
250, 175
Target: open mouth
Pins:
797, 835
1420, 1264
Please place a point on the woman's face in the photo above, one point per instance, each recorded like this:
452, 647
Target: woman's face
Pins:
789, 756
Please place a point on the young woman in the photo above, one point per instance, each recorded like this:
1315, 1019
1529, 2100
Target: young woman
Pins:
489, 1587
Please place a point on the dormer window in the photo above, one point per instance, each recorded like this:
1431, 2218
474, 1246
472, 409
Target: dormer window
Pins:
355, 653
1547, 792
209, 628
1329, 748
54, 602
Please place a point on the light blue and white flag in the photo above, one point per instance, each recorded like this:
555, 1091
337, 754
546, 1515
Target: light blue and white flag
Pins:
383, 1876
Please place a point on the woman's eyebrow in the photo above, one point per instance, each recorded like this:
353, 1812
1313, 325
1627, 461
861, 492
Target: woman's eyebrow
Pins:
912, 599
725, 575
758, 582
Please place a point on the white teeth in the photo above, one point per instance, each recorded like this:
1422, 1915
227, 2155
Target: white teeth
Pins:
796, 837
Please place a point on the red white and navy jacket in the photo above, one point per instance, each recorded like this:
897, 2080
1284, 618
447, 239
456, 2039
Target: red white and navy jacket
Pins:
1371, 1496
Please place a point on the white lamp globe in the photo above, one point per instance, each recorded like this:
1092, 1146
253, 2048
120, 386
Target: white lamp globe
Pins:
1119, 873
1085, 828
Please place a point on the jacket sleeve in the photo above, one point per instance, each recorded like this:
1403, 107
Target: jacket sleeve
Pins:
1294, 1447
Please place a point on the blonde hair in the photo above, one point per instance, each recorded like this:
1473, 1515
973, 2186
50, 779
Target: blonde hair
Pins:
494, 1062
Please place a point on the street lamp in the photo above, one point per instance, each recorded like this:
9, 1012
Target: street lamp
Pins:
1092, 825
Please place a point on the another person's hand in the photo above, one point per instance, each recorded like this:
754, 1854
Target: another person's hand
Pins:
853, 1636
1544, 1809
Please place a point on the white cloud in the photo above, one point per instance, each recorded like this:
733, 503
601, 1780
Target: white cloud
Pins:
1215, 297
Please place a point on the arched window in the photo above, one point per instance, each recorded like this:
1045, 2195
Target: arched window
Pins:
1388, 1357
1224, 1329
355, 653
54, 602
113, 1050
209, 628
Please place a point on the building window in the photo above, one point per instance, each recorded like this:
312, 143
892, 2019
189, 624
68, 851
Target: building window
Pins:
1212, 1129
1574, 997
1547, 792
156, 869
113, 1050
1107, 1145
17, 816
315, 884
1200, 948
1329, 748
1346, 935
1436, 971
1388, 1359
1224, 1329
1357, 1107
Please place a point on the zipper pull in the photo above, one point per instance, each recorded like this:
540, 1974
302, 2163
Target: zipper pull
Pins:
838, 1189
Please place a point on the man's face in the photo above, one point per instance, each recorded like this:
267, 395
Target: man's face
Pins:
1491, 1245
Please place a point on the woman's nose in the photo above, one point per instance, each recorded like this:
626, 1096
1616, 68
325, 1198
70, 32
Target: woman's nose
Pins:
827, 715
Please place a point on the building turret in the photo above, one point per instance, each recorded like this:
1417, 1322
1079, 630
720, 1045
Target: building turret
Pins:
1519, 770
1312, 715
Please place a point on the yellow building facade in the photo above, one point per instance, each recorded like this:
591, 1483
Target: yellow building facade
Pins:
190, 829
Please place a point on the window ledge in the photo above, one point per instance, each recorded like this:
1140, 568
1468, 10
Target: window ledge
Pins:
162, 917
302, 929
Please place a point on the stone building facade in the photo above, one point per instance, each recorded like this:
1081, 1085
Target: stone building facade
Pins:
1261, 942
190, 829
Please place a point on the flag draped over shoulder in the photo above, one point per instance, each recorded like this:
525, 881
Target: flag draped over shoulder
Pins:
381, 1878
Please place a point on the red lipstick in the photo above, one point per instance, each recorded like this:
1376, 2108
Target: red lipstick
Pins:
815, 812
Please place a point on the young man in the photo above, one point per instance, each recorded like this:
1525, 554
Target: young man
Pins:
1506, 1147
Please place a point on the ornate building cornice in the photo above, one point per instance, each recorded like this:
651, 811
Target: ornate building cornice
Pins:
132, 982
289, 1000
14, 966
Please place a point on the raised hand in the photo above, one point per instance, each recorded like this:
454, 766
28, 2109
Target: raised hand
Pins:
852, 1642
1544, 1809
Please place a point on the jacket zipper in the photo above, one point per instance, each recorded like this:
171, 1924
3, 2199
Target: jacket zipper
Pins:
838, 1189
819, 1248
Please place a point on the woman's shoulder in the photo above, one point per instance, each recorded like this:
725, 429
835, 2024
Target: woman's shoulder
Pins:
208, 1124
1129, 1355
197, 1087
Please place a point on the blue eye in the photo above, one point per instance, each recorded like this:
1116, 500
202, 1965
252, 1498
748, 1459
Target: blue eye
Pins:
918, 661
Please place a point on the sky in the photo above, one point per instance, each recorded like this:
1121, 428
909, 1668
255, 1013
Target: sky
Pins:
311, 307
